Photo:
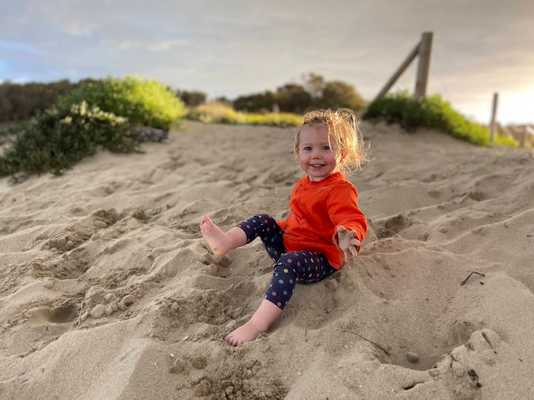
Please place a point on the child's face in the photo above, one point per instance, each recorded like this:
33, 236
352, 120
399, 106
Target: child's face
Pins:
316, 158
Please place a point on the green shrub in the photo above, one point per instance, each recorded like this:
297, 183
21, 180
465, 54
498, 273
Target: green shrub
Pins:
221, 113
431, 112
507, 141
10, 129
55, 140
143, 102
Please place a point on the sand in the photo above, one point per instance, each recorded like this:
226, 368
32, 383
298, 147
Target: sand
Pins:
107, 291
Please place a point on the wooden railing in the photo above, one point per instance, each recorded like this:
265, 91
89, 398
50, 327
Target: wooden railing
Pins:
423, 49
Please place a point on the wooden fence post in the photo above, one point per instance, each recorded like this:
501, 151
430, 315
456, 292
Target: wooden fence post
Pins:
423, 67
523, 138
398, 72
493, 116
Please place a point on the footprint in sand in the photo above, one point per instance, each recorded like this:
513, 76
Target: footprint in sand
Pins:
68, 265
393, 225
79, 232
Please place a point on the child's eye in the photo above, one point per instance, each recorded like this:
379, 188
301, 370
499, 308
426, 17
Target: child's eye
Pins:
326, 147
307, 148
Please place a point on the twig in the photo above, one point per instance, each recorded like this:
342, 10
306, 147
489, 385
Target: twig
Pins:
368, 340
487, 339
471, 274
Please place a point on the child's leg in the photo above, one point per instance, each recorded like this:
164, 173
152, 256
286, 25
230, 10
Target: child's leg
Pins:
296, 267
262, 225
265, 227
300, 266
264, 316
219, 241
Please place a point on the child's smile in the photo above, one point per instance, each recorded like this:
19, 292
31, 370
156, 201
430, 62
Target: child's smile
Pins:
316, 157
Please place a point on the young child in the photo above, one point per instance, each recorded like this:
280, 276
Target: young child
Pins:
324, 227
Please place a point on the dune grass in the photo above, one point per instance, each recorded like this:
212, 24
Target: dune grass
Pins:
435, 113
216, 112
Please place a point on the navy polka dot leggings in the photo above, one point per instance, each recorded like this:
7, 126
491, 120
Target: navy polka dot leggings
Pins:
291, 267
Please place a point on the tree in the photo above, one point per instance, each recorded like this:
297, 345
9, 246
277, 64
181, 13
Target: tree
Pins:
314, 84
259, 102
293, 98
338, 94
192, 98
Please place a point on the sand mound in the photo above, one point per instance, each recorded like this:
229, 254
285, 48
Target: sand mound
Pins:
107, 292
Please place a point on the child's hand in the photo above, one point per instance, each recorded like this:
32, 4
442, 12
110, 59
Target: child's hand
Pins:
348, 243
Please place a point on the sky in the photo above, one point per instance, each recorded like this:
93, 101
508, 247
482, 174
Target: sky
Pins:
237, 47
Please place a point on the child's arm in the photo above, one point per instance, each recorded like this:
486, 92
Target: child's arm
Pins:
350, 223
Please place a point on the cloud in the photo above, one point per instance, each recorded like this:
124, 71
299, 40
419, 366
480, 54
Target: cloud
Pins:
152, 45
79, 28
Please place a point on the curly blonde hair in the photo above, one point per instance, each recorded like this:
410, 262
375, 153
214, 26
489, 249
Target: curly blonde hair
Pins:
343, 132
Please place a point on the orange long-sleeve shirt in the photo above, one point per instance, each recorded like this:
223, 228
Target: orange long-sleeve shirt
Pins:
316, 209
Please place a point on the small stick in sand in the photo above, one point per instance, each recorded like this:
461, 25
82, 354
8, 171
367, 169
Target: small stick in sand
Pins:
368, 340
487, 339
469, 276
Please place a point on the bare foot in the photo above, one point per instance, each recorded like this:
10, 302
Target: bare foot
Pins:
244, 333
262, 319
217, 239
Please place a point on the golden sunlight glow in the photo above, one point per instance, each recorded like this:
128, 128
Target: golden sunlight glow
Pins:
516, 106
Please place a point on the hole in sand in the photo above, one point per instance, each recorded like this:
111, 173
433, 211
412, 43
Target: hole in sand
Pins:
428, 353
425, 361
63, 313
60, 314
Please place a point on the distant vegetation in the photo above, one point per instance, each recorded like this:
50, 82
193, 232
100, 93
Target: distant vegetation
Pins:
95, 114
71, 121
432, 112
314, 93
143, 101
192, 98
19, 102
217, 112
280, 107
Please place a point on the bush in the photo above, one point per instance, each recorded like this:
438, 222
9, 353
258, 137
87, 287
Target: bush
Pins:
55, 140
20, 102
224, 114
338, 94
256, 102
293, 98
431, 112
191, 98
142, 102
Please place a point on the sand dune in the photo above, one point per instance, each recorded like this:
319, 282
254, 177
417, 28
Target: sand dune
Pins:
107, 292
